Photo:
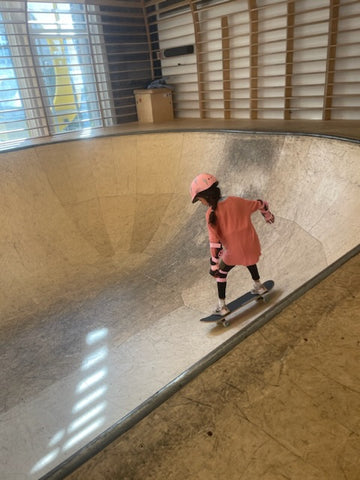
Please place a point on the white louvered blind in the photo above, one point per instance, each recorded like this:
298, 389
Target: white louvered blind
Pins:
67, 66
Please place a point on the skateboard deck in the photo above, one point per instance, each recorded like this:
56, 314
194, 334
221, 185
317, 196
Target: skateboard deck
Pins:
237, 304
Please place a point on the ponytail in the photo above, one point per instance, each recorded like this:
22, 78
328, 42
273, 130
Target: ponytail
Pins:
212, 196
212, 217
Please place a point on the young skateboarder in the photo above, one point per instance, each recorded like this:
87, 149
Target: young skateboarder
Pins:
232, 236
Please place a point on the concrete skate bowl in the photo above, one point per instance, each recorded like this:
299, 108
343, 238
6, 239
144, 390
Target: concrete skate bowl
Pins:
101, 233
82, 215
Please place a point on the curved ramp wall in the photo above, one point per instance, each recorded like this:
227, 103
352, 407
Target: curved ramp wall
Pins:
79, 215
99, 240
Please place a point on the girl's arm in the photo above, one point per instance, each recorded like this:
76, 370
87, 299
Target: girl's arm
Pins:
215, 251
214, 240
265, 211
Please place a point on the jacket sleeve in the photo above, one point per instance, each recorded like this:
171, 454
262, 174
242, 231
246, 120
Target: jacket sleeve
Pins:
255, 205
214, 240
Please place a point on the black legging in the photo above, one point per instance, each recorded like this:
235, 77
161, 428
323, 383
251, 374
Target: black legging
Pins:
226, 269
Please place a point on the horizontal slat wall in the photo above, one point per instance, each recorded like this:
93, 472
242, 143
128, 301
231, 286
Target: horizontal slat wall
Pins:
126, 43
251, 59
279, 59
346, 86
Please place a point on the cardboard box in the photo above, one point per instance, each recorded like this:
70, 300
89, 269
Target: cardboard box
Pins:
154, 105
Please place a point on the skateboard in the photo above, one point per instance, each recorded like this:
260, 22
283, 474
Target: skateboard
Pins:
238, 303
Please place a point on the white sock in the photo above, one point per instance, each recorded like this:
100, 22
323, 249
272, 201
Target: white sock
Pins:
221, 302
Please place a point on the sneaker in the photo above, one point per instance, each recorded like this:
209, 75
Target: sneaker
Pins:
258, 289
221, 311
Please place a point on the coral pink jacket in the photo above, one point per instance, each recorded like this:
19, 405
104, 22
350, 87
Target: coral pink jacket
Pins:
235, 231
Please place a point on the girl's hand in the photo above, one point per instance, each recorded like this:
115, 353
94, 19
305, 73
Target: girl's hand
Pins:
269, 217
265, 212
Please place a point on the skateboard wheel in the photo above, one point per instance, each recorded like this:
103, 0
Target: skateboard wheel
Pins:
262, 299
226, 323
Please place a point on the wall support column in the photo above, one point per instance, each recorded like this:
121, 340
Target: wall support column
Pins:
254, 50
331, 59
226, 66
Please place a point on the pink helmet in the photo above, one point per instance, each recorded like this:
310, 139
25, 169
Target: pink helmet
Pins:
201, 183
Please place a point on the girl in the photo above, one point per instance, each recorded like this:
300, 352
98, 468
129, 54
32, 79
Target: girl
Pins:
232, 236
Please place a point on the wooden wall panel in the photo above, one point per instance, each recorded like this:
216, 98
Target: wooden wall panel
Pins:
262, 59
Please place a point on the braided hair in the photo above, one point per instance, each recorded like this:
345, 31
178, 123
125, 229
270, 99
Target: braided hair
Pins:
212, 195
